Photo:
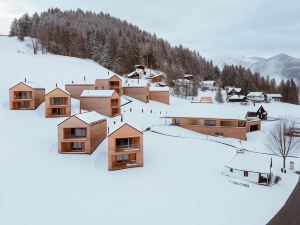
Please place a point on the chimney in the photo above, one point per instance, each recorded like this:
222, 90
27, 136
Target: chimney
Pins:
56, 84
84, 78
107, 130
122, 117
25, 80
72, 82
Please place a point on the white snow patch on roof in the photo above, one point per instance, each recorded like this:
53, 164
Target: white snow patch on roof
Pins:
97, 93
134, 83
90, 117
114, 127
212, 111
153, 88
274, 95
251, 162
255, 93
237, 97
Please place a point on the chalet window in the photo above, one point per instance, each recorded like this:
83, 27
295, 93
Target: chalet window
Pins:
122, 158
124, 143
245, 173
57, 101
57, 111
23, 95
231, 170
76, 146
209, 122
78, 132
24, 105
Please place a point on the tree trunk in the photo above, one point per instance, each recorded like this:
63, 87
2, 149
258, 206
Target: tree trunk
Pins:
284, 159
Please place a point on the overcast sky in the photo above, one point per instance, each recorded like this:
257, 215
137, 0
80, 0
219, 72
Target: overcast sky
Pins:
215, 28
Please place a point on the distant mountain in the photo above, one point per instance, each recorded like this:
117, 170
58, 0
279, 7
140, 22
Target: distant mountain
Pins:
281, 66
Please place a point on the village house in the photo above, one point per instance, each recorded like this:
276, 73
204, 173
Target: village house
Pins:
214, 120
233, 91
57, 103
249, 166
105, 102
188, 77
142, 72
238, 98
206, 100
257, 96
125, 147
138, 89
274, 97
81, 133
160, 94
259, 112
209, 85
76, 89
113, 82
26, 96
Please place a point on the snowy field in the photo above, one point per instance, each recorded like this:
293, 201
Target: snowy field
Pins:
181, 182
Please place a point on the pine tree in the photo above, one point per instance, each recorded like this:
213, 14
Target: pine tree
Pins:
219, 96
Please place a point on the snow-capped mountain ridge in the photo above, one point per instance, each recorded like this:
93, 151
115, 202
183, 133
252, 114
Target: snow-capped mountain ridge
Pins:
281, 66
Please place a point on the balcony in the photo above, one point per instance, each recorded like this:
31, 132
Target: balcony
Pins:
58, 102
127, 148
75, 133
23, 95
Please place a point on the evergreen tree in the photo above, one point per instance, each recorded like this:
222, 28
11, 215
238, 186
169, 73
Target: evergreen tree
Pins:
219, 96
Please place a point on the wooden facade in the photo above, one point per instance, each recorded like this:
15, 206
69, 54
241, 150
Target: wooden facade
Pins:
113, 83
107, 105
76, 90
162, 96
57, 104
138, 92
24, 96
125, 148
205, 100
77, 136
233, 128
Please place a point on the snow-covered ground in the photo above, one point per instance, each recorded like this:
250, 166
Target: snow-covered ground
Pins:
181, 182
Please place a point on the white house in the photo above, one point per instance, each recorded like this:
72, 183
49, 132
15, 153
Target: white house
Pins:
249, 166
257, 96
274, 97
209, 84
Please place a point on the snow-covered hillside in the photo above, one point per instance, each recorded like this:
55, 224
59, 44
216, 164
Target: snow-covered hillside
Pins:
180, 183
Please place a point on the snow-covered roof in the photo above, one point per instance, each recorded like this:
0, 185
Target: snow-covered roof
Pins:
30, 84
208, 82
274, 95
90, 117
187, 75
134, 83
252, 162
255, 93
97, 93
114, 127
62, 89
209, 111
153, 88
237, 97
236, 89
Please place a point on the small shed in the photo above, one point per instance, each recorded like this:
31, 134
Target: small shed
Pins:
206, 100
252, 167
160, 94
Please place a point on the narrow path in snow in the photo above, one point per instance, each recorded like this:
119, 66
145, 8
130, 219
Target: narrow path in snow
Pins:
289, 213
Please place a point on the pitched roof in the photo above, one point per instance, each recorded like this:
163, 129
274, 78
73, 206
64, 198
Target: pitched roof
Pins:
113, 128
255, 93
237, 97
90, 117
29, 84
274, 95
249, 161
97, 93
59, 89
235, 89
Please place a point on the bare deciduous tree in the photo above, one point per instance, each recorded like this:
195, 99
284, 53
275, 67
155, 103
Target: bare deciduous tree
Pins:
281, 140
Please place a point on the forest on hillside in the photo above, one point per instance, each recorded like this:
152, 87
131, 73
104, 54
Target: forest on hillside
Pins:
119, 45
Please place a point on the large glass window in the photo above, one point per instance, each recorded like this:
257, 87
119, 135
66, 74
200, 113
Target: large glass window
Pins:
78, 132
209, 122
76, 146
124, 143
122, 158
57, 101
